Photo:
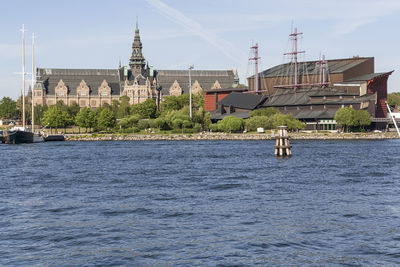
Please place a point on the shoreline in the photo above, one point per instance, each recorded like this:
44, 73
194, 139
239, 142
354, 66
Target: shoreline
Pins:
226, 136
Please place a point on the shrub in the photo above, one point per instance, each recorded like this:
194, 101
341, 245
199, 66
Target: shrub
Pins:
231, 124
258, 121
213, 127
143, 124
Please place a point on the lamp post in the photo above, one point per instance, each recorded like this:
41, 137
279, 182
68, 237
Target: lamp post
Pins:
190, 89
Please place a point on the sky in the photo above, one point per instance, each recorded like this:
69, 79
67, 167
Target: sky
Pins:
210, 34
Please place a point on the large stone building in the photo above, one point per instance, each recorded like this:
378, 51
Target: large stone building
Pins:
95, 87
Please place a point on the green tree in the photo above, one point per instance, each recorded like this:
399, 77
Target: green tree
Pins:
178, 102
39, 113
106, 119
265, 112
146, 110
393, 99
170, 103
143, 124
345, 117
73, 109
7, 108
363, 118
123, 108
162, 124
178, 124
55, 117
85, 118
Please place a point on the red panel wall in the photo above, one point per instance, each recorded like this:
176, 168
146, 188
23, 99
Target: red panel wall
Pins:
210, 97
379, 86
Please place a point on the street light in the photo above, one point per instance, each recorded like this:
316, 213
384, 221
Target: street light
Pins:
190, 90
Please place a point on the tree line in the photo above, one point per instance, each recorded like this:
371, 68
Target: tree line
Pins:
172, 115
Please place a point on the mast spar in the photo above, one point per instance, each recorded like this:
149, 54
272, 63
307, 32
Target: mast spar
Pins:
23, 75
33, 82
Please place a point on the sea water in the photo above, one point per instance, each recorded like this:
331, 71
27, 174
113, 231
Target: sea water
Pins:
200, 203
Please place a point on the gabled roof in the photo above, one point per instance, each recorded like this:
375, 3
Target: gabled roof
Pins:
307, 97
215, 115
73, 77
367, 77
243, 101
230, 89
206, 79
309, 67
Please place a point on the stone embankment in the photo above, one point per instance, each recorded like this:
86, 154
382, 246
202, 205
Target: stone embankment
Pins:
225, 136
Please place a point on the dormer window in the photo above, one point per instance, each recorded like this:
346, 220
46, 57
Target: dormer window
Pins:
61, 89
104, 89
82, 89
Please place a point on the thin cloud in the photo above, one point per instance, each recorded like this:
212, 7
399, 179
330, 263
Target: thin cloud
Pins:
227, 48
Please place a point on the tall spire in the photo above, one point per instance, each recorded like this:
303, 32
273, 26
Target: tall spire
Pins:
137, 61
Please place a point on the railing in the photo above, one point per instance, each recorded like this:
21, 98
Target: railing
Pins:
384, 120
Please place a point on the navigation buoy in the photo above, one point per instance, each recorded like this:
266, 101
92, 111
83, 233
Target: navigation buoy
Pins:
283, 147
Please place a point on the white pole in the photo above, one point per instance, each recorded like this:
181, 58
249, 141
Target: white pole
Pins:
33, 82
190, 89
394, 121
23, 75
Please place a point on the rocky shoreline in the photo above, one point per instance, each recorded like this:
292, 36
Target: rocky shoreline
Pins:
226, 136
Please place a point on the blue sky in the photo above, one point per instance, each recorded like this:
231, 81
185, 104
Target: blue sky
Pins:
211, 34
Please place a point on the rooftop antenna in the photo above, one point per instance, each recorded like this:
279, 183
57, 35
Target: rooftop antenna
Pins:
254, 48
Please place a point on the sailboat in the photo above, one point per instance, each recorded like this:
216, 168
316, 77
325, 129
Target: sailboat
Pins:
18, 135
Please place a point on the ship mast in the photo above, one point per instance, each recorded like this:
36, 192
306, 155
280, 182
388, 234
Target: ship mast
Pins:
255, 58
33, 82
294, 37
23, 75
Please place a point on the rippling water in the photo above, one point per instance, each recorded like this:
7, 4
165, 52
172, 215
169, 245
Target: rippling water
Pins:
200, 203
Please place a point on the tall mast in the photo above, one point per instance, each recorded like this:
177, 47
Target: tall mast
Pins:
294, 54
23, 75
33, 82
255, 58
324, 80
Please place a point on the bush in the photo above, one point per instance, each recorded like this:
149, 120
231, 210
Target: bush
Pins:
258, 121
213, 127
143, 124
287, 120
162, 124
230, 124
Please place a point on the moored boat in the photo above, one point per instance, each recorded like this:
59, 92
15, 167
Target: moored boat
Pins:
17, 135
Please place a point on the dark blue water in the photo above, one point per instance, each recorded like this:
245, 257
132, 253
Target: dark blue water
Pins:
202, 203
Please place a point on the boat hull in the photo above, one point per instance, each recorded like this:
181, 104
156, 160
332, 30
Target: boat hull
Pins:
17, 137
54, 137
